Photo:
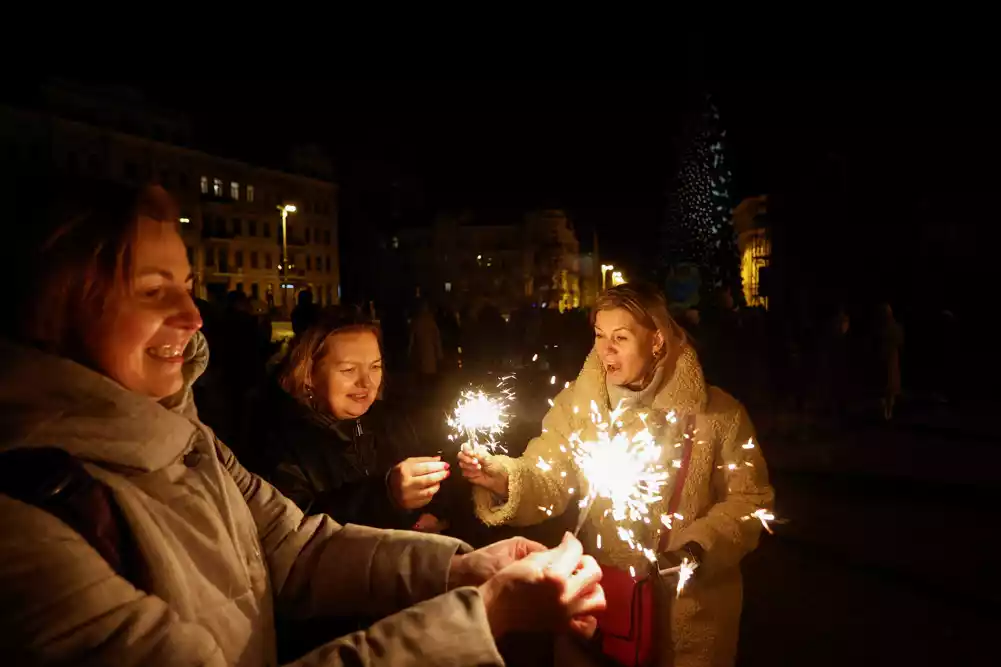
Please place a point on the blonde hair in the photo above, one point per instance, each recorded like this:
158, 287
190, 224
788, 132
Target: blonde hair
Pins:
646, 304
296, 373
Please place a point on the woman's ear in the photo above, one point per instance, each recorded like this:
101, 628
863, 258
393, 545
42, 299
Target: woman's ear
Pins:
659, 344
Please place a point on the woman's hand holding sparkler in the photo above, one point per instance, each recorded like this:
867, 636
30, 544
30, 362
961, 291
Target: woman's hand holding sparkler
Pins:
413, 482
556, 589
480, 468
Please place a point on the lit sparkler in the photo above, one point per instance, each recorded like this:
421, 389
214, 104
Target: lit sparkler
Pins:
626, 470
480, 417
764, 516
684, 571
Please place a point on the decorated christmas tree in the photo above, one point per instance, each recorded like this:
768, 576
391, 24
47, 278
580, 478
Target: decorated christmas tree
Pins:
698, 234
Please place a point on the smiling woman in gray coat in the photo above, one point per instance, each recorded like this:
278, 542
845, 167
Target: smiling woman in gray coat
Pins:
99, 366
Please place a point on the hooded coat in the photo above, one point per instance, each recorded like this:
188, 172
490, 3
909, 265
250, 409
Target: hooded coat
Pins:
223, 551
725, 483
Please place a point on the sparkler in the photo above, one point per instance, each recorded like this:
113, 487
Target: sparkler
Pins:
764, 516
684, 571
626, 470
480, 415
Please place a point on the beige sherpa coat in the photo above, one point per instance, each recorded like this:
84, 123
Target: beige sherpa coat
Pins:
703, 622
221, 548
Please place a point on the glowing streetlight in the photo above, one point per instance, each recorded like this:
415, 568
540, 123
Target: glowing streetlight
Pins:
617, 278
605, 268
286, 209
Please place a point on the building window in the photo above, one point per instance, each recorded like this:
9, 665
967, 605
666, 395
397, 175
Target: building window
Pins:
326, 237
217, 187
253, 259
307, 235
255, 291
266, 229
448, 287
267, 261
237, 227
220, 226
328, 264
205, 185
210, 257
319, 263
250, 194
309, 262
238, 259
251, 227
234, 191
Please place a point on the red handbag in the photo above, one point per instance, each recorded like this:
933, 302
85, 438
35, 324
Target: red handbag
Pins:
626, 630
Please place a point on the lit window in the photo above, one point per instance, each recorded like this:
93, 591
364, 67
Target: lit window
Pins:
185, 221
217, 187
448, 287
234, 190
250, 194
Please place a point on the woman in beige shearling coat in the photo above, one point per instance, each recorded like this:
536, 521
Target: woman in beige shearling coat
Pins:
641, 358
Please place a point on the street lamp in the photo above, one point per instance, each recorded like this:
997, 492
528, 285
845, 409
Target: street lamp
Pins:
605, 268
617, 278
286, 209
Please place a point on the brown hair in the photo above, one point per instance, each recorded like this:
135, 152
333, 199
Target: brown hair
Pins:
79, 256
296, 373
646, 304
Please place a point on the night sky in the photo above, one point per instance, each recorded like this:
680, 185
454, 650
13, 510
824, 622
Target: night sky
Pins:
857, 166
604, 150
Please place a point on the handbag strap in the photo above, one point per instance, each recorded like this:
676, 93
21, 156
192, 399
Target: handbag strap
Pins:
687, 442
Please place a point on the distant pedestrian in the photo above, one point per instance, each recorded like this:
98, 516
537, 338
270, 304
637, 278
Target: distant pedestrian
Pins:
426, 352
890, 340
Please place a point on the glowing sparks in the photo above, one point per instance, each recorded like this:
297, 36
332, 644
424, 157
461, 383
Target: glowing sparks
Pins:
552, 380
535, 357
625, 470
480, 417
764, 516
685, 572
566, 385
543, 465
749, 444
547, 510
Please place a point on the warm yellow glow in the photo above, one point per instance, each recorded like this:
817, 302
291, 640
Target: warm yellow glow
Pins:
617, 278
755, 256
288, 208
185, 221
607, 267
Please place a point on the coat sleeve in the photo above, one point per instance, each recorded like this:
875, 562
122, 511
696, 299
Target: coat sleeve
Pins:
727, 532
320, 568
62, 604
531, 490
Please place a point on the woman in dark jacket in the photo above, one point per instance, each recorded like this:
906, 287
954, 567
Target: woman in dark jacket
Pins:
331, 446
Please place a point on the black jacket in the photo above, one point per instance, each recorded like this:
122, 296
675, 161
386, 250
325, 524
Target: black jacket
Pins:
335, 467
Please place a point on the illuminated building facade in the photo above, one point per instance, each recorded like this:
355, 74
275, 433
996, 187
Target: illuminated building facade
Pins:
754, 247
463, 262
228, 209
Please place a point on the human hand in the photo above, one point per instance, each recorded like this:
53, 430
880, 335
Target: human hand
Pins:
429, 523
547, 590
476, 567
481, 469
414, 481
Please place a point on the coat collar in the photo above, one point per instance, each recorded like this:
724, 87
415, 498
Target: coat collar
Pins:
51, 401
